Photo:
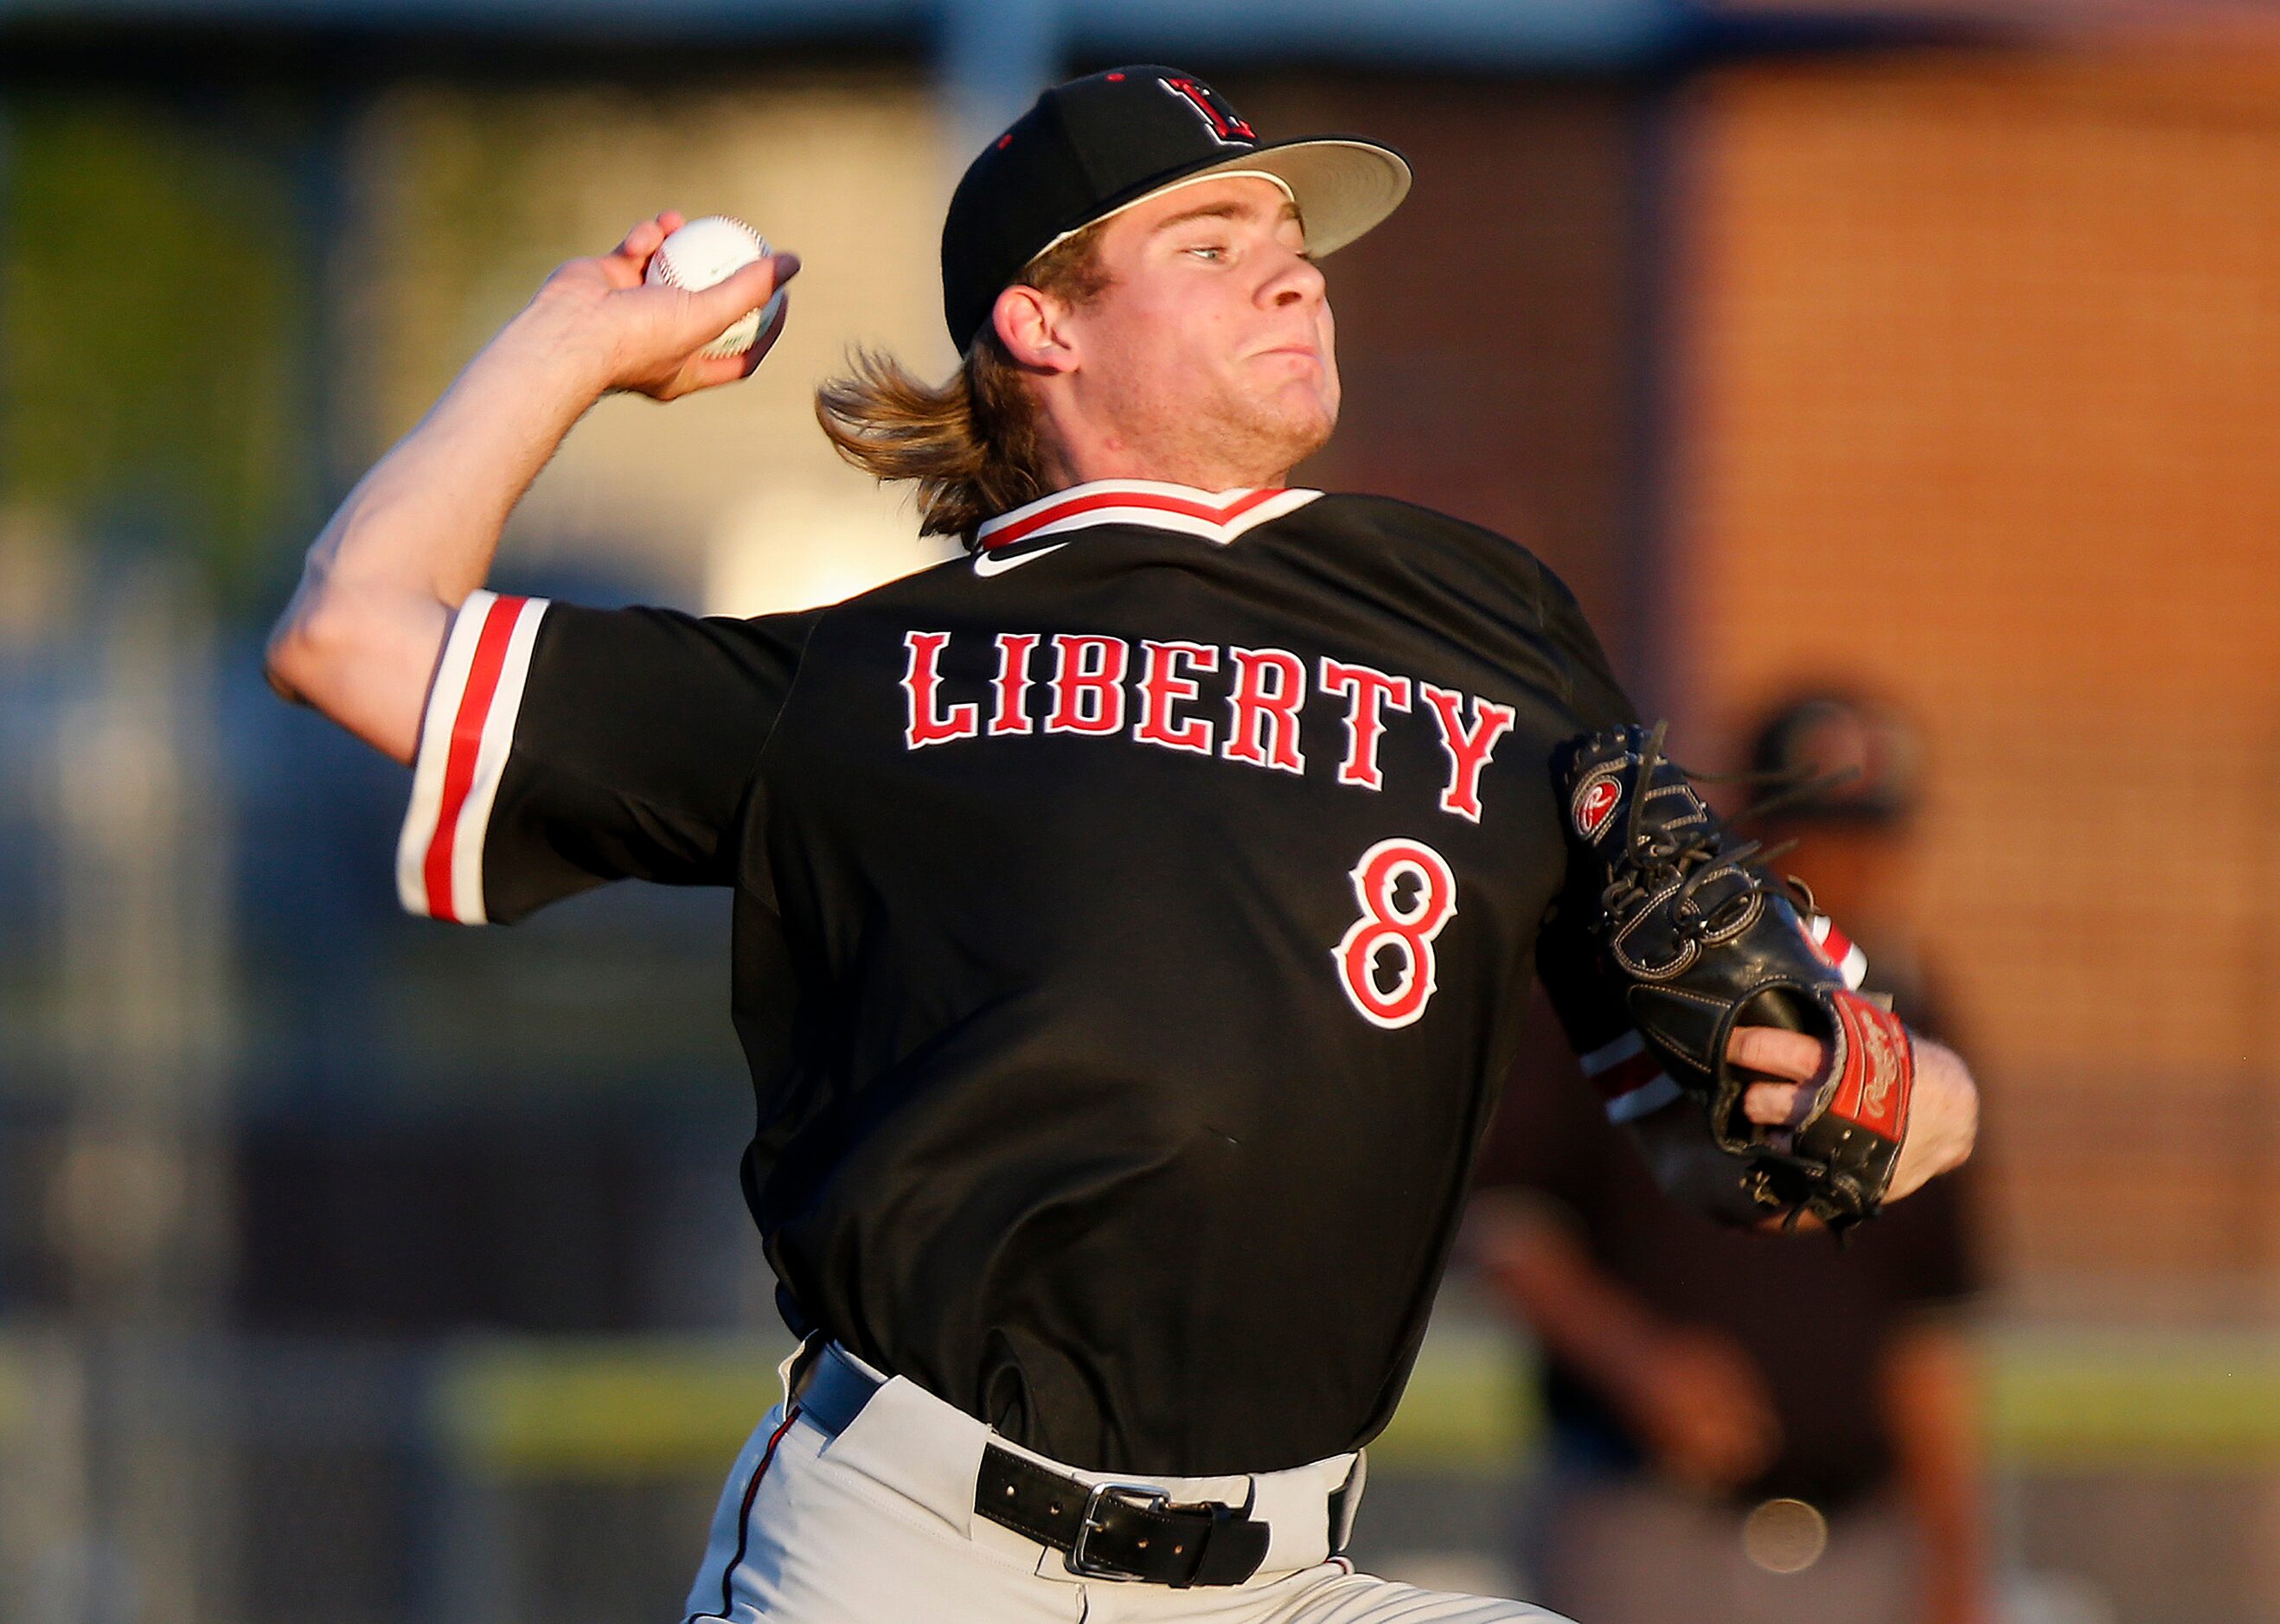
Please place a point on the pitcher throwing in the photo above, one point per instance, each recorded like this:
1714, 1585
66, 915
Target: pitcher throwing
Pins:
1131, 917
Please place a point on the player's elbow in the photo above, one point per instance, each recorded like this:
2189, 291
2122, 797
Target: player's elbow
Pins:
313, 639
360, 656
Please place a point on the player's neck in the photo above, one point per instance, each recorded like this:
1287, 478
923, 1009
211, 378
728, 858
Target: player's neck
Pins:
1078, 457
1202, 473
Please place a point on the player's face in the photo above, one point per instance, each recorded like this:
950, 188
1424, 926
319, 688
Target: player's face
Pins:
1211, 353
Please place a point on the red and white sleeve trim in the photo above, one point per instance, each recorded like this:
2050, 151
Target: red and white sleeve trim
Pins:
1631, 1081
1839, 948
464, 741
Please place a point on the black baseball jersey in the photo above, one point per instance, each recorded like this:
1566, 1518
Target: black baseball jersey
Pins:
1131, 923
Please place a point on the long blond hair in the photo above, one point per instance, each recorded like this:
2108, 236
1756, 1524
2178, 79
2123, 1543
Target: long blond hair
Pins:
972, 442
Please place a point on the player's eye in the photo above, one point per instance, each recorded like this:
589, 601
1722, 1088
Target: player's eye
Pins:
1208, 251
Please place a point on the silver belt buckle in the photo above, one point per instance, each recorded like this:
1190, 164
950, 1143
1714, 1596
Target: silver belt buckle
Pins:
1145, 1497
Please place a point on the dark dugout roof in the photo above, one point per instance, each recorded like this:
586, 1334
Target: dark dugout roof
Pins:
1481, 35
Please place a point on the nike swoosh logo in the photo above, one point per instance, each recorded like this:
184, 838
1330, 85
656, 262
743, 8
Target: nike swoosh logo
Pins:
998, 563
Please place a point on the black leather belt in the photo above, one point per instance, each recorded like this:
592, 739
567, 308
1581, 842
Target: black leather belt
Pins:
1122, 1531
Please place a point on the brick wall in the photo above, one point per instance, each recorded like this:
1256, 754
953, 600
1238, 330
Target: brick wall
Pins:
1982, 406
1481, 332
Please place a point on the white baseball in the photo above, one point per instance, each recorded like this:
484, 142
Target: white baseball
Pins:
703, 252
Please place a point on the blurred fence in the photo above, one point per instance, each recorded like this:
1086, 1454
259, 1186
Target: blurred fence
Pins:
550, 1481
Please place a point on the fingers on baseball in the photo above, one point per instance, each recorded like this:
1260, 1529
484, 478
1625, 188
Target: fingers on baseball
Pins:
642, 241
748, 287
715, 308
767, 341
705, 372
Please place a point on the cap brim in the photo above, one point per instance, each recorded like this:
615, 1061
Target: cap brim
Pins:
1342, 184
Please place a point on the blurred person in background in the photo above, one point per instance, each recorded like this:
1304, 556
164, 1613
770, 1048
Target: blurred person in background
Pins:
1717, 1405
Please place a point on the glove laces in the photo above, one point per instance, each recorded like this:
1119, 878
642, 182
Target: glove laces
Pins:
1693, 855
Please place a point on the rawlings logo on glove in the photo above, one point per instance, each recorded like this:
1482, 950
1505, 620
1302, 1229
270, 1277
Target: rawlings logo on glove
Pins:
1700, 940
1595, 802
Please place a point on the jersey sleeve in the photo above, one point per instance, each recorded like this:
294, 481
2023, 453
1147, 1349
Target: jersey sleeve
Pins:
1546, 1136
1617, 1062
1595, 697
565, 747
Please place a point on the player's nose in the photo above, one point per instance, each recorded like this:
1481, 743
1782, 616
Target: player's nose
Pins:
1296, 280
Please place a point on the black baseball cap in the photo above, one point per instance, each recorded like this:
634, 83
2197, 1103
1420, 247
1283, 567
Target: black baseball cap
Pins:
1101, 143
1829, 729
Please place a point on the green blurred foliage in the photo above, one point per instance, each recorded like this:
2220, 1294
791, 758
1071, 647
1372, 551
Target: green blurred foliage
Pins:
156, 312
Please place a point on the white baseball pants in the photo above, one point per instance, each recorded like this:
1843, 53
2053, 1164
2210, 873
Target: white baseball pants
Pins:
877, 1526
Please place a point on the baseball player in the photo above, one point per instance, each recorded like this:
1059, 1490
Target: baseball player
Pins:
1129, 917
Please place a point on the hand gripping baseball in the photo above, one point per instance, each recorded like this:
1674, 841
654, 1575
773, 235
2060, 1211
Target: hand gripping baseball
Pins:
1700, 945
647, 339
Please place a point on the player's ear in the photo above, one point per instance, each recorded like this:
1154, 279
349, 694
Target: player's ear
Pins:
1032, 326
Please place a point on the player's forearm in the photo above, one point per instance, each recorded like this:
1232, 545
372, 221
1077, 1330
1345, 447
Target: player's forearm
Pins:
418, 533
1546, 1275
427, 517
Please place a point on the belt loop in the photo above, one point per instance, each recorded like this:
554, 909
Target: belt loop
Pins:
1232, 1548
1345, 1501
794, 1369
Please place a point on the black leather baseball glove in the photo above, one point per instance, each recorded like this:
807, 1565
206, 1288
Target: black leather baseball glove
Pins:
1699, 939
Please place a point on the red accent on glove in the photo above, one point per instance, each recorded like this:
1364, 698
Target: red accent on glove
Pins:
1879, 1068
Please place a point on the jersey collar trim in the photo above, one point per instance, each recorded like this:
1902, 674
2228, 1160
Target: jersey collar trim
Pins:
1215, 516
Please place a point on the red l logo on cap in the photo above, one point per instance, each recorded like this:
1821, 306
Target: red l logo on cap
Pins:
1226, 129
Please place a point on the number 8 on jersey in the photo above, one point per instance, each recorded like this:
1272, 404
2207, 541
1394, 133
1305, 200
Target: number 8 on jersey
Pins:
1378, 882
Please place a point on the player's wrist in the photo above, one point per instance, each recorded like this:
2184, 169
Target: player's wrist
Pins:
559, 349
1638, 1360
1944, 1119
